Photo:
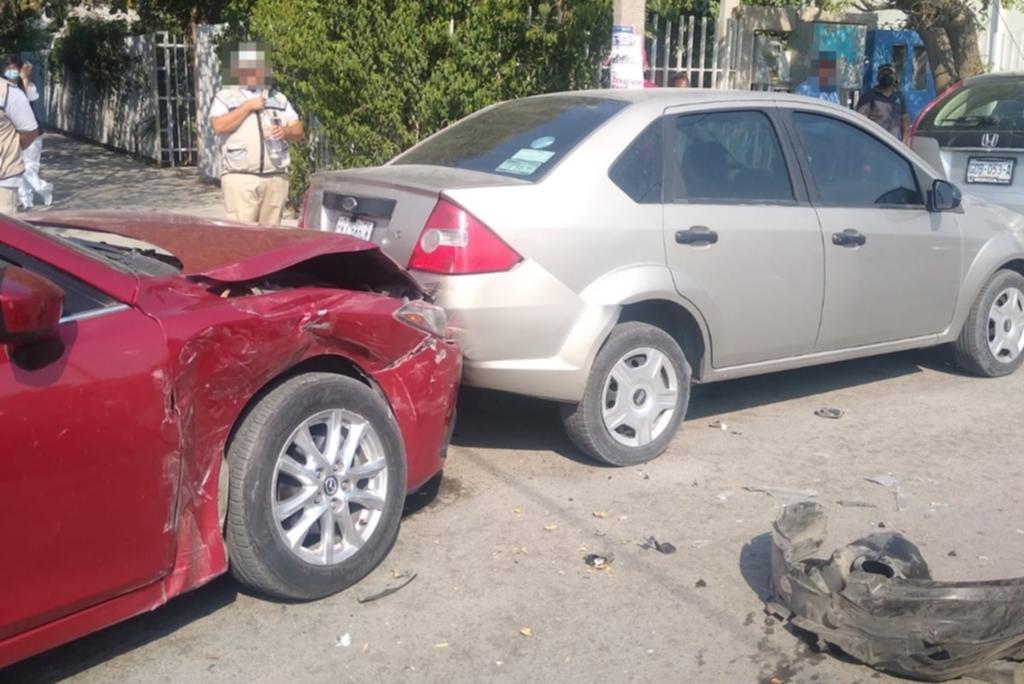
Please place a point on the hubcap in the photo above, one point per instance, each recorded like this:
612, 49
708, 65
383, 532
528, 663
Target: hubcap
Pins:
640, 397
1006, 325
329, 487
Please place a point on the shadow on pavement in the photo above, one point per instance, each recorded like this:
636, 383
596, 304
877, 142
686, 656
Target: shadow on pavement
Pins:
756, 564
499, 420
80, 655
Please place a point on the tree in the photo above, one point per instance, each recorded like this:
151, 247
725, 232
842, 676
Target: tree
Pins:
949, 29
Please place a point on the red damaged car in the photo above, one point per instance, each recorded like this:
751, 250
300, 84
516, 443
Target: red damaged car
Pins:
177, 392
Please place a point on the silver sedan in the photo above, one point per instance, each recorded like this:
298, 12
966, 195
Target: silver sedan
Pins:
606, 249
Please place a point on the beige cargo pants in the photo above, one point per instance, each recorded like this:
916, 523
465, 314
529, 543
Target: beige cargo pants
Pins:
8, 201
250, 197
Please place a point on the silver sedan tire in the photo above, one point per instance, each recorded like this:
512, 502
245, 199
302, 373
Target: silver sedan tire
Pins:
636, 397
991, 343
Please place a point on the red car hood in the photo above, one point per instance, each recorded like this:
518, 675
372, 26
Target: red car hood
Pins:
220, 250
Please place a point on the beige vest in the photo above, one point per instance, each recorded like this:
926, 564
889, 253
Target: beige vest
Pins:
10, 141
245, 149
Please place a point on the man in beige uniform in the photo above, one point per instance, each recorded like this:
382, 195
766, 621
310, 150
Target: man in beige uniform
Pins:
255, 125
18, 129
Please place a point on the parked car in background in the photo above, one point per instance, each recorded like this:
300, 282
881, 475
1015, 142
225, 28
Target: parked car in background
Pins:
176, 392
607, 248
979, 127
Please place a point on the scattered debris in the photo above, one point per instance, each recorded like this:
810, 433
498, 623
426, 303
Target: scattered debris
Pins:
517, 511
343, 640
526, 632
700, 543
723, 496
892, 483
952, 554
700, 584
601, 561
875, 599
784, 493
660, 547
599, 514
855, 504
884, 480
443, 644
718, 425
550, 527
1020, 531
405, 577
830, 413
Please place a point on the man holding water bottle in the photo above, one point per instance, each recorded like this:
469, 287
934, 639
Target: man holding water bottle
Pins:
254, 124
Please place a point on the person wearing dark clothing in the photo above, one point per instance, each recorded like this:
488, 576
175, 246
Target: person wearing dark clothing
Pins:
885, 105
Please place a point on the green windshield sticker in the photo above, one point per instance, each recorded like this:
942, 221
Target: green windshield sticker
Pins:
525, 161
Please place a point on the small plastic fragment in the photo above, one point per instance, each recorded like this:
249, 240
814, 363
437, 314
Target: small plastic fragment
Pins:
952, 554
601, 561
404, 577
599, 514
551, 527
700, 584
661, 547
884, 480
443, 644
718, 425
526, 632
785, 493
830, 413
343, 640
855, 504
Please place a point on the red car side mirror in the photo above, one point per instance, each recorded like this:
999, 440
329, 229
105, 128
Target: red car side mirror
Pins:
30, 306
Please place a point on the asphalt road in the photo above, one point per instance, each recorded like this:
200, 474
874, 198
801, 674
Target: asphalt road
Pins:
498, 548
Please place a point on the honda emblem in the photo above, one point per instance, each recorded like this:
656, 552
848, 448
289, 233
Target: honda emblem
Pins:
989, 139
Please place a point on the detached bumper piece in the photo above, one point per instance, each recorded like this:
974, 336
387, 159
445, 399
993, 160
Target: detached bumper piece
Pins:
875, 599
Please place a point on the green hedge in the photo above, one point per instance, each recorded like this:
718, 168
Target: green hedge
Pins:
382, 74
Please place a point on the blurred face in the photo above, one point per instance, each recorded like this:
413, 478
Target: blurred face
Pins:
249, 65
12, 71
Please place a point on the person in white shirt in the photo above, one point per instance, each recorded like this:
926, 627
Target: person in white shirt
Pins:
19, 73
255, 125
18, 130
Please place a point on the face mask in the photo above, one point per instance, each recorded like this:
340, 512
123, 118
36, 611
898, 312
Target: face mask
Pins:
12, 74
886, 80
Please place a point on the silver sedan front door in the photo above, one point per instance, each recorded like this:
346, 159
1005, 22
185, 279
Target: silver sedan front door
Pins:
740, 238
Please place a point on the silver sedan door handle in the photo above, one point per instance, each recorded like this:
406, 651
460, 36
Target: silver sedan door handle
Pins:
696, 235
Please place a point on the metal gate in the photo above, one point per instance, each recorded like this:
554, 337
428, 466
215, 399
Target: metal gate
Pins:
175, 100
685, 46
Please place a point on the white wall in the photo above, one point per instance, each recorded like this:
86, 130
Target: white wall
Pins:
124, 120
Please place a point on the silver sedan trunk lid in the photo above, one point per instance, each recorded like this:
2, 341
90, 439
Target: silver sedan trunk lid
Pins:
387, 205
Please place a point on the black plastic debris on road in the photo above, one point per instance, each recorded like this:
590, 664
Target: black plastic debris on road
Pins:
660, 547
875, 600
599, 560
830, 413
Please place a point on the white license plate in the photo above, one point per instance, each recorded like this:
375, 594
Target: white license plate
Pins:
990, 171
359, 228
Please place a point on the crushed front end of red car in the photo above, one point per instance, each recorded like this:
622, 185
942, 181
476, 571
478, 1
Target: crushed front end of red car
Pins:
250, 309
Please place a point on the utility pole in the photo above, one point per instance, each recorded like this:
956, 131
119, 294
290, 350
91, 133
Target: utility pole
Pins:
628, 19
630, 13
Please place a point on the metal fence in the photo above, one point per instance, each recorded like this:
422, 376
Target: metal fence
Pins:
174, 83
684, 46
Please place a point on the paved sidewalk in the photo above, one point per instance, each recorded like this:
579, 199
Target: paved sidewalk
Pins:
88, 176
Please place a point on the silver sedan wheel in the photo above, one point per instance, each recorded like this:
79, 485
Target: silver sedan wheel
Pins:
1006, 325
641, 394
329, 487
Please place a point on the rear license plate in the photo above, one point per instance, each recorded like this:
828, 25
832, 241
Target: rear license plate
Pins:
991, 171
359, 228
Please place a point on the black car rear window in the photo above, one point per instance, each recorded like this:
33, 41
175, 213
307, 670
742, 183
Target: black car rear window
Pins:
990, 105
521, 138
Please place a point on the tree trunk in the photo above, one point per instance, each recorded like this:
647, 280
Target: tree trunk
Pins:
949, 30
940, 56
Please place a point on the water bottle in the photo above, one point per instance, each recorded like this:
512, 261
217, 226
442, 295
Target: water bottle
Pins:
275, 148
